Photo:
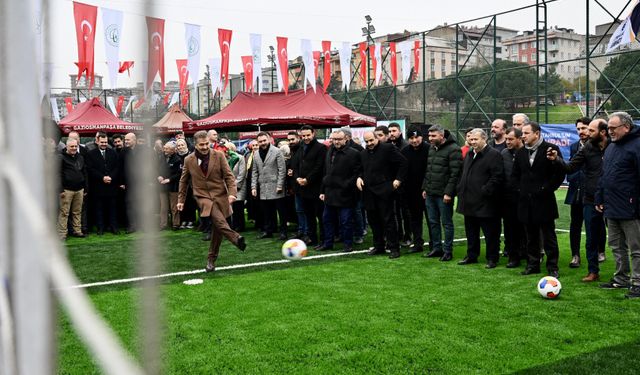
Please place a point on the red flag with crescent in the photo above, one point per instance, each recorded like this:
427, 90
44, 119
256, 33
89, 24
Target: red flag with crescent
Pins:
185, 98
247, 65
183, 73
374, 62
85, 17
316, 63
416, 58
326, 53
125, 65
224, 39
393, 63
155, 29
283, 61
165, 100
119, 104
363, 62
69, 103
139, 103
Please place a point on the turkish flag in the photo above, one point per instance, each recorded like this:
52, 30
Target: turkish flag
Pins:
224, 39
316, 63
247, 65
363, 62
125, 65
138, 103
185, 98
326, 53
393, 63
283, 61
416, 58
165, 100
372, 53
183, 73
69, 103
155, 29
119, 104
85, 17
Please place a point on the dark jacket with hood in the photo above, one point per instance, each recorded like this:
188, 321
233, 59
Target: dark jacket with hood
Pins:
443, 168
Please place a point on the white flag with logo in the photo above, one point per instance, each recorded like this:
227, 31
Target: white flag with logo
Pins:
378, 57
112, 21
405, 51
112, 105
307, 60
54, 109
345, 64
131, 99
214, 74
256, 52
192, 40
620, 37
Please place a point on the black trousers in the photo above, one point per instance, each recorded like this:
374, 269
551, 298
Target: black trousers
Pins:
575, 228
237, 218
548, 232
269, 207
491, 228
416, 210
313, 209
515, 235
383, 225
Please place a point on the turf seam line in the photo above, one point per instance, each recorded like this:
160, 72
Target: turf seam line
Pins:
231, 267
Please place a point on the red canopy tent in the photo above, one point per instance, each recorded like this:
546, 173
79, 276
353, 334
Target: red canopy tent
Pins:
279, 111
172, 121
91, 116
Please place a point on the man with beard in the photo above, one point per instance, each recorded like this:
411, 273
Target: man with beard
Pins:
515, 237
338, 191
383, 170
479, 198
618, 196
358, 215
307, 171
417, 155
294, 144
575, 193
439, 187
498, 127
382, 133
395, 136
589, 160
214, 187
73, 181
537, 179
268, 175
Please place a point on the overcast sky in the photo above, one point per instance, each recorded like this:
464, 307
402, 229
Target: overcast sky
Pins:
334, 20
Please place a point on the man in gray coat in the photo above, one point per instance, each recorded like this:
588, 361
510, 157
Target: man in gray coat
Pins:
267, 177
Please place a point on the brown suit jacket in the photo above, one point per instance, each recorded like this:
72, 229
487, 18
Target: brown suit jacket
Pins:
211, 190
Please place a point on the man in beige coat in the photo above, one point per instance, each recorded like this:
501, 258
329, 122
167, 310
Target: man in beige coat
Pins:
214, 188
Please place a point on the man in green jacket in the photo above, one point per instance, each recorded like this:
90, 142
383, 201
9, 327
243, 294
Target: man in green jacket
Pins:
444, 164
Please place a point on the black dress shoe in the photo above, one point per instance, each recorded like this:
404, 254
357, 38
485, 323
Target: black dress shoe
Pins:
394, 254
323, 248
415, 249
434, 254
376, 252
446, 257
264, 235
78, 235
513, 264
490, 264
467, 260
530, 271
554, 273
241, 244
347, 249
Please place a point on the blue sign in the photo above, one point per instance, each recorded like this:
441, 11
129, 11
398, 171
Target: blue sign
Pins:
561, 135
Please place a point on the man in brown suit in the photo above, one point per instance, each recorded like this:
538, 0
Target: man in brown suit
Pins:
214, 187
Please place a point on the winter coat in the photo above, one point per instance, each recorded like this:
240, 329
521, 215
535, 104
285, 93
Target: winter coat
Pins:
481, 183
587, 161
443, 168
268, 176
73, 172
99, 167
309, 164
339, 181
380, 167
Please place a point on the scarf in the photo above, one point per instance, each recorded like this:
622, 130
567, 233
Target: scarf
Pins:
204, 161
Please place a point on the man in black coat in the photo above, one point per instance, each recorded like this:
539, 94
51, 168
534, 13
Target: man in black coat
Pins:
537, 178
515, 236
170, 169
383, 171
338, 191
479, 191
73, 181
103, 168
307, 171
416, 154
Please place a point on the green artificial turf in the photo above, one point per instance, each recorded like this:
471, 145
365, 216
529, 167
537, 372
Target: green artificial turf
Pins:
359, 315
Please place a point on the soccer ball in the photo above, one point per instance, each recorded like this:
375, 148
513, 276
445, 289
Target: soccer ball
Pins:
294, 249
549, 287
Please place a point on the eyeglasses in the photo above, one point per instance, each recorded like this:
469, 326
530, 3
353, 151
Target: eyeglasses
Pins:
612, 128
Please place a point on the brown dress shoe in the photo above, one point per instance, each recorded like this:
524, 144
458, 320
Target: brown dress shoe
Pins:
591, 277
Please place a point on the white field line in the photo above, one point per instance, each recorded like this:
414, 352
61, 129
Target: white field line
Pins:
232, 267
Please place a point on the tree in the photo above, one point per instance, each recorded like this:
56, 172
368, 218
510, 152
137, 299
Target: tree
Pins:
614, 72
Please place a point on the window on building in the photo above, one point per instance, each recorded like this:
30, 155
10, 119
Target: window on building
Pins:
514, 49
441, 55
523, 59
561, 68
562, 55
553, 42
533, 57
433, 55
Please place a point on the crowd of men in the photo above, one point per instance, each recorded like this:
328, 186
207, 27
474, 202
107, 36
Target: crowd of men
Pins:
503, 184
